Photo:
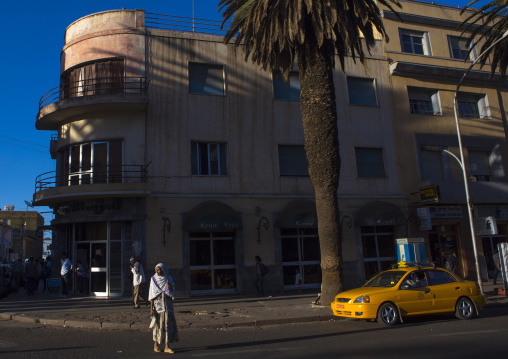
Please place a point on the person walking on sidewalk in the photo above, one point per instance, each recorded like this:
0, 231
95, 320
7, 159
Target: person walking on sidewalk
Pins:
298, 280
80, 276
138, 280
65, 273
17, 274
497, 265
260, 272
31, 276
161, 296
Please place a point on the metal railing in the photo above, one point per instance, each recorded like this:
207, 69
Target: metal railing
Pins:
94, 86
94, 175
184, 24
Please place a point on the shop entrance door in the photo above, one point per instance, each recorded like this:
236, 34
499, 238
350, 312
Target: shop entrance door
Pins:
93, 256
212, 262
99, 268
443, 241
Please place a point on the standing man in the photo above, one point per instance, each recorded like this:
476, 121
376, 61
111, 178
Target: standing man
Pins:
452, 262
138, 278
259, 276
17, 274
497, 264
65, 273
31, 276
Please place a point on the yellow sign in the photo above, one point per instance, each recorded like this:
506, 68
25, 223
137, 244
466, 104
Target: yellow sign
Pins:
429, 194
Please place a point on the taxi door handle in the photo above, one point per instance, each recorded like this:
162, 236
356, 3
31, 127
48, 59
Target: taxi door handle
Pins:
457, 288
427, 291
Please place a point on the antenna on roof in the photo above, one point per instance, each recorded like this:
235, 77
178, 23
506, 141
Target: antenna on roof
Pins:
29, 204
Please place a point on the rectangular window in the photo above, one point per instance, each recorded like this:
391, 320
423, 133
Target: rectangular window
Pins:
480, 165
286, 91
206, 79
473, 106
415, 42
292, 161
369, 162
94, 162
208, 159
431, 166
361, 91
378, 244
459, 49
423, 101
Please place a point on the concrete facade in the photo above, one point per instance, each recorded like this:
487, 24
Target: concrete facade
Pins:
211, 175
421, 135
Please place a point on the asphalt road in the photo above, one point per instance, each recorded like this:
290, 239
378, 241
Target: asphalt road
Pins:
431, 337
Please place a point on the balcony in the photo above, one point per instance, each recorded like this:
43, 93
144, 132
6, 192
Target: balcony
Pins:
90, 95
101, 181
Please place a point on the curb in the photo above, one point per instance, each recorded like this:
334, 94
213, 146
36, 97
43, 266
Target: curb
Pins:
86, 324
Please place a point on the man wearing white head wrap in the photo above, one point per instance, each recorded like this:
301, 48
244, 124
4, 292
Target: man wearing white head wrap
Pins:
162, 288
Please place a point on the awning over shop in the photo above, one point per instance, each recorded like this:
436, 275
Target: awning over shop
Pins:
380, 214
212, 216
298, 214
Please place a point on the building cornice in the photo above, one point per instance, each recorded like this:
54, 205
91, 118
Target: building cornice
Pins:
426, 20
416, 70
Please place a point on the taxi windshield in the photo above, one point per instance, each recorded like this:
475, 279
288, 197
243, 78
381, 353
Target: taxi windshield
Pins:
386, 279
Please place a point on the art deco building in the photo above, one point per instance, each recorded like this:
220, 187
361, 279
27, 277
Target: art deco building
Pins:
171, 148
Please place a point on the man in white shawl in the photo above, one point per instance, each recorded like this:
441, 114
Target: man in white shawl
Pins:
162, 288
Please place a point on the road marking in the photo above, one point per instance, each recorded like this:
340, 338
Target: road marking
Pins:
475, 332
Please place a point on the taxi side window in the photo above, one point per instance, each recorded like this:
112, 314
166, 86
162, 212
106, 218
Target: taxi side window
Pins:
437, 277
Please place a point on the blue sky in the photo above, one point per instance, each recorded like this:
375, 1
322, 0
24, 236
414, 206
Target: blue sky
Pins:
32, 39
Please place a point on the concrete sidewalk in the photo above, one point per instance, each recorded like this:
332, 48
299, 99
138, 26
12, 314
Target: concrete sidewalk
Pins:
210, 312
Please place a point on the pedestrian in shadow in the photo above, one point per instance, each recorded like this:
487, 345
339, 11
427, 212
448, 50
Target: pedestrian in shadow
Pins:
138, 280
66, 274
259, 276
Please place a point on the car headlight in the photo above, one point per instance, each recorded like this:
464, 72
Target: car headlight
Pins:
362, 299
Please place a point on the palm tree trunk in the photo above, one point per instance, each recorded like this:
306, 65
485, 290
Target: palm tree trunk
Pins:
319, 114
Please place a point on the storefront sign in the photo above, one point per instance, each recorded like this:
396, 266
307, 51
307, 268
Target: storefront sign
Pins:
224, 225
429, 194
91, 207
425, 219
446, 212
485, 226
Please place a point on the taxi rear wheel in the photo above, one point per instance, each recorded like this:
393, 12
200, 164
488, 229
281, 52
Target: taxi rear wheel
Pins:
388, 314
464, 309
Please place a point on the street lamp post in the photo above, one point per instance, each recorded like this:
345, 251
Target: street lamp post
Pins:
461, 162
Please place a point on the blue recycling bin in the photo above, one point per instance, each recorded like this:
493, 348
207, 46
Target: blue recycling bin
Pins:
411, 250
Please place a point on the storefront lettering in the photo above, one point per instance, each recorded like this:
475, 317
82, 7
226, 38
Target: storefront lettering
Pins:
218, 225
389, 222
301, 224
94, 208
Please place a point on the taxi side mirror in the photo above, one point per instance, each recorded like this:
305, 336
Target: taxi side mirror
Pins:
405, 286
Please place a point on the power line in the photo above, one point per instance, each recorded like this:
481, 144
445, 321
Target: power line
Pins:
23, 141
25, 147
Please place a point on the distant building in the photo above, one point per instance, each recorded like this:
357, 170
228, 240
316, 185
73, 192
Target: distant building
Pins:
26, 241
6, 232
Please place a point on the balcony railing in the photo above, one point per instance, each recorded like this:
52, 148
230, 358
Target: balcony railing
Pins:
97, 175
95, 86
184, 24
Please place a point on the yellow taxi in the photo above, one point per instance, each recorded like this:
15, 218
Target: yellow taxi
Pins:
397, 293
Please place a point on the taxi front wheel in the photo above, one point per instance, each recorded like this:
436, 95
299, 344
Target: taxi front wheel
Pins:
388, 314
464, 309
